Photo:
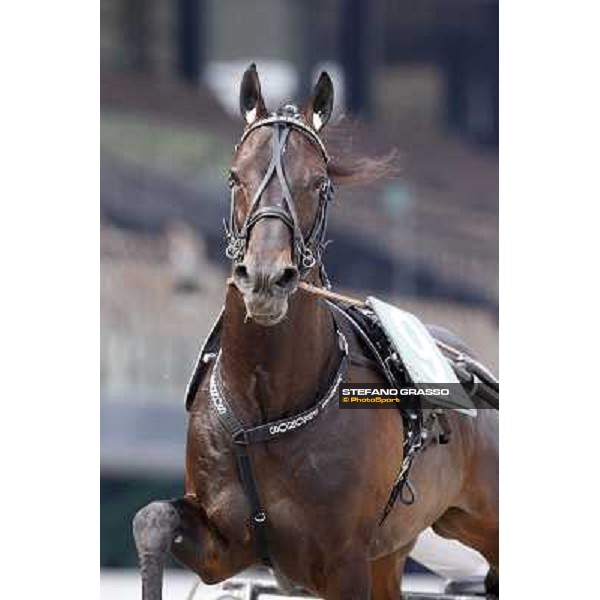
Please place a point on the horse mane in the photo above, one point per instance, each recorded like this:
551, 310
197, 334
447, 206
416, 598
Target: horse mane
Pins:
363, 170
348, 168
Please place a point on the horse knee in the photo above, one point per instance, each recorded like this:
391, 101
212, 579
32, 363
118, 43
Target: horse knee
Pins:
154, 527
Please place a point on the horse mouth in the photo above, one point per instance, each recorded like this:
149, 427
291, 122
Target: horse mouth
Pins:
266, 313
267, 320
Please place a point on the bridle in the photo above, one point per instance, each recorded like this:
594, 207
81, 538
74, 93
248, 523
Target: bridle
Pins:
306, 250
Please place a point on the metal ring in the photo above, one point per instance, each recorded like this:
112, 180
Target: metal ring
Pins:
260, 517
234, 249
308, 259
240, 437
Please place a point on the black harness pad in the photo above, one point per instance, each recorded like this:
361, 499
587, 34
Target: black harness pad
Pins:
206, 356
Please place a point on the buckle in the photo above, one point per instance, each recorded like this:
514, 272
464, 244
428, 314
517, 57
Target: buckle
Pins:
260, 517
308, 259
209, 357
240, 437
235, 248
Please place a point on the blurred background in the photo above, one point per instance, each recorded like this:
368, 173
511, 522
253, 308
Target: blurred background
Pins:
417, 75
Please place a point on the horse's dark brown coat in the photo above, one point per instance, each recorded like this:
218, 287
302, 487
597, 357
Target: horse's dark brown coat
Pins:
323, 487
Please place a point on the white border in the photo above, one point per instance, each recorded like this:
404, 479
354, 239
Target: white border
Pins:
50, 299
549, 106
549, 297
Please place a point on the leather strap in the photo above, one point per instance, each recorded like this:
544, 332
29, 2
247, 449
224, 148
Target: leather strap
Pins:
291, 122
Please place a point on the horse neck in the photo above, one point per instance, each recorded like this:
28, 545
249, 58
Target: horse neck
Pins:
269, 372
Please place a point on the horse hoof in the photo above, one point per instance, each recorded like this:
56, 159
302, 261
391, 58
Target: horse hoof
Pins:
154, 526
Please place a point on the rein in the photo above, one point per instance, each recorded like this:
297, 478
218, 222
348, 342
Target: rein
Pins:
474, 376
350, 301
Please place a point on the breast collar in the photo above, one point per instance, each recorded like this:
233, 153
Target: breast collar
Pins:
272, 429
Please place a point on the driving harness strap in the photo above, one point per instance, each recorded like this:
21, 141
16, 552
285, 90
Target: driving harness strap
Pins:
244, 437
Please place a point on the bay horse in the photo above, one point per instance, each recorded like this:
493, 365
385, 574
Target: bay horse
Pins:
321, 487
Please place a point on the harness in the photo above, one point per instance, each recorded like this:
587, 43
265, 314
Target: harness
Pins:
418, 423
349, 324
307, 249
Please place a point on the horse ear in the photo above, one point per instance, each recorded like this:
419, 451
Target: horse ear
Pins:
252, 105
320, 106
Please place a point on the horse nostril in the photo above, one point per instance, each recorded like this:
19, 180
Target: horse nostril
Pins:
240, 274
287, 278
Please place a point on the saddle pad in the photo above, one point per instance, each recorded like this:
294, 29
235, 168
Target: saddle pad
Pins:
420, 354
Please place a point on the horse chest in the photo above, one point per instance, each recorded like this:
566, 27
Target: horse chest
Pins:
301, 480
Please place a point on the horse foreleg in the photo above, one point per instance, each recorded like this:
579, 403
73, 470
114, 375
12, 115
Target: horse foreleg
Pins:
386, 576
478, 533
181, 528
349, 580
154, 528
203, 549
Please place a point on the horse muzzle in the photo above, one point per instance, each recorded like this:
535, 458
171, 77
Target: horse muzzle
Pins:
266, 290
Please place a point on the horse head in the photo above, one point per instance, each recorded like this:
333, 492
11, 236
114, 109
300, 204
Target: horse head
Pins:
280, 191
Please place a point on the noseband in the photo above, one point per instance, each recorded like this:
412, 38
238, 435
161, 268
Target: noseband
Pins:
306, 250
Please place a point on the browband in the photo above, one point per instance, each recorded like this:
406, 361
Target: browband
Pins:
292, 122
